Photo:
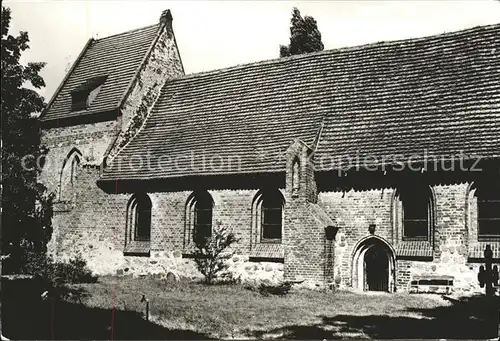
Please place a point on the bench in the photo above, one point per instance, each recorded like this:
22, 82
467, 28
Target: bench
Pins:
432, 284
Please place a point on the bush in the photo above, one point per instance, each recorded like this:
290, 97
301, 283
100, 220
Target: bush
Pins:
58, 276
211, 254
73, 271
37, 264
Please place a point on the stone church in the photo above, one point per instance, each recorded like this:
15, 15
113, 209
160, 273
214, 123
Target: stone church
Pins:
373, 167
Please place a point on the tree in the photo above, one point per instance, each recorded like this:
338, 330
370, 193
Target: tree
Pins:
26, 208
304, 36
211, 254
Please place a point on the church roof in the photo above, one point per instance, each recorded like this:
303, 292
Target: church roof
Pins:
116, 57
439, 94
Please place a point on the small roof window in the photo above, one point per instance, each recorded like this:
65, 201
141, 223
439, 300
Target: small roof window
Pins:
84, 94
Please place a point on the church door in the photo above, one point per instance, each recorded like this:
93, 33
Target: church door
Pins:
376, 265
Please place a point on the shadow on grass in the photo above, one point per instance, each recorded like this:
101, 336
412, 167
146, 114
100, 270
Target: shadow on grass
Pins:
68, 321
468, 318
25, 315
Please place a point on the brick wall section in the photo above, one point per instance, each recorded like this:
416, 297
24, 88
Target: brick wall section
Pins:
452, 238
304, 235
95, 227
91, 139
353, 211
231, 207
304, 243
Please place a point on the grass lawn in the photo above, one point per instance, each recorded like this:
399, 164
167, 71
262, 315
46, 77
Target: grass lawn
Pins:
234, 312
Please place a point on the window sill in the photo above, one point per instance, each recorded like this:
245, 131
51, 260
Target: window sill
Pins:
270, 241
416, 249
484, 238
138, 248
415, 239
476, 252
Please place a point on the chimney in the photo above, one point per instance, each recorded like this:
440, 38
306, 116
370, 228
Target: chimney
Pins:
166, 18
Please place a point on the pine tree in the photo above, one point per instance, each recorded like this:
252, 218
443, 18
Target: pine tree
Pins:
304, 36
26, 208
211, 254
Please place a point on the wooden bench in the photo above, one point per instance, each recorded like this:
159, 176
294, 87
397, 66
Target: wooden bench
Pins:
432, 284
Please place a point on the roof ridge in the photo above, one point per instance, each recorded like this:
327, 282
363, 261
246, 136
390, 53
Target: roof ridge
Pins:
329, 51
127, 32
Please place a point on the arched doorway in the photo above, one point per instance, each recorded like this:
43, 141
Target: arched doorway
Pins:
373, 265
376, 263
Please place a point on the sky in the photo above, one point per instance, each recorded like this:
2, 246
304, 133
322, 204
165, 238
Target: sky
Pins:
217, 34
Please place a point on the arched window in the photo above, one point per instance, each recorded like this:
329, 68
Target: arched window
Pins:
488, 210
295, 177
269, 210
416, 212
74, 167
139, 218
199, 216
69, 174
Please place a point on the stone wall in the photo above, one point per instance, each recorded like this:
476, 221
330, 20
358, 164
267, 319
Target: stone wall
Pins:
95, 227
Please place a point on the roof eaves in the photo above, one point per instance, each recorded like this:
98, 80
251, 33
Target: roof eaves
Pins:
106, 177
65, 79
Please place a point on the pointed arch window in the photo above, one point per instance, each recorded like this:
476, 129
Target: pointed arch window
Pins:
268, 216
75, 163
139, 218
295, 177
69, 175
199, 213
416, 212
272, 216
488, 210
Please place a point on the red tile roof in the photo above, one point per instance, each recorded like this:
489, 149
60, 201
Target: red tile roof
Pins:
118, 57
440, 92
